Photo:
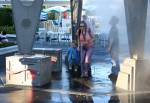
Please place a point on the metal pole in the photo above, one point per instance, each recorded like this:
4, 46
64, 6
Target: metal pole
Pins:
76, 11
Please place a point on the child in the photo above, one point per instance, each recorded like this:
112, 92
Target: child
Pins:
74, 60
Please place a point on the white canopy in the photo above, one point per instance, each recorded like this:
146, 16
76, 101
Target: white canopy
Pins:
55, 9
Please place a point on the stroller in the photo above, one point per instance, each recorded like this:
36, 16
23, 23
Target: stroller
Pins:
72, 61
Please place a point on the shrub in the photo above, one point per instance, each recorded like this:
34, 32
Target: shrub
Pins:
6, 17
2, 45
8, 29
51, 16
6, 21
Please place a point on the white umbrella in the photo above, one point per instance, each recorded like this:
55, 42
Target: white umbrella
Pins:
55, 9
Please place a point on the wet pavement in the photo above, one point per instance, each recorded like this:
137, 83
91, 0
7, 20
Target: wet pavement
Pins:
64, 89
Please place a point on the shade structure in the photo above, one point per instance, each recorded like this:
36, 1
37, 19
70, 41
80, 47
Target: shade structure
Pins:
55, 9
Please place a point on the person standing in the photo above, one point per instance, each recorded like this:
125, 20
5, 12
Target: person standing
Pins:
91, 26
85, 38
113, 48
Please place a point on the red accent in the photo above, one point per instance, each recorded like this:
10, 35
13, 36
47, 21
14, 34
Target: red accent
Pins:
65, 15
31, 74
53, 62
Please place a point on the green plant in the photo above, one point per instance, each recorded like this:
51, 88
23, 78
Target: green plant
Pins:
51, 16
8, 29
43, 7
6, 17
2, 45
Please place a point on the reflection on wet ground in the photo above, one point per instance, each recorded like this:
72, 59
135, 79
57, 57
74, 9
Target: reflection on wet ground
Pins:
63, 89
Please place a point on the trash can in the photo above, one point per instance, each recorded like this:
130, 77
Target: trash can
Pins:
34, 70
56, 57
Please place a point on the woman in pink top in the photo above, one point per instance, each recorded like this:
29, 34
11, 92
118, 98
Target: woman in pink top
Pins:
86, 47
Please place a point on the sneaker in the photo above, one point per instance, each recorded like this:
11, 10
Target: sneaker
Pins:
112, 77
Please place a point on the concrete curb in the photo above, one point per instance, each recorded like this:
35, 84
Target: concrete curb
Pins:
9, 49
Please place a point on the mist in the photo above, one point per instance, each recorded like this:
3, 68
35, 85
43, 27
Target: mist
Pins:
104, 10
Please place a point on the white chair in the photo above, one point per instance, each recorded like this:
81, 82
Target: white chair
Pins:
64, 36
54, 36
48, 36
42, 33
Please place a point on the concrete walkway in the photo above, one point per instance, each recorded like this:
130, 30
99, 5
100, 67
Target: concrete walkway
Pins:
64, 89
